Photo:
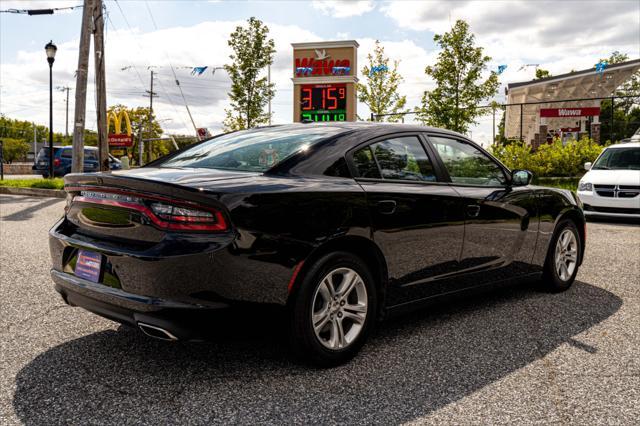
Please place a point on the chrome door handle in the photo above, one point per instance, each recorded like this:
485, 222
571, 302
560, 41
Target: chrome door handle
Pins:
387, 206
473, 210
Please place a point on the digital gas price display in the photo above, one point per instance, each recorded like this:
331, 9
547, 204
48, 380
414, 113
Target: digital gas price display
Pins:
323, 102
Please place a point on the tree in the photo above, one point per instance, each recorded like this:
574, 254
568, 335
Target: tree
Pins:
252, 52
460, 86
626, 112
14, 149
542, 73
380, 92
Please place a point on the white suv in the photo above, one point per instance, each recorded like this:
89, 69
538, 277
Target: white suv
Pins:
611, 186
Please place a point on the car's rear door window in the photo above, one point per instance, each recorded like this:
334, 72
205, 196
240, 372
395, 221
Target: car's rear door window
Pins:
403, 158
66, 153
466, 164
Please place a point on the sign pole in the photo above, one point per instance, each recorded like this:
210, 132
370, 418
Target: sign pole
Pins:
1, 161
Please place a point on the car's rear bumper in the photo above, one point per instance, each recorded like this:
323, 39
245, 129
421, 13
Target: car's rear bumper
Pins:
161, 318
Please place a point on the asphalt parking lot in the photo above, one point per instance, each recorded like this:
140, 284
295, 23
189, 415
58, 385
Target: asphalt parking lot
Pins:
515, 355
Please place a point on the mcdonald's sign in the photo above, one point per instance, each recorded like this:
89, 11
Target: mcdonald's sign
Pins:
118, 139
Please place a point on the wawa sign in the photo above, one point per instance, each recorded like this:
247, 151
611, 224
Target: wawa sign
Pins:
322, 64
324, 81
569, 112
323, 59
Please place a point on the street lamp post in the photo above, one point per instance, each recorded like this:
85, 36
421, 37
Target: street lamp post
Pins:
51, 49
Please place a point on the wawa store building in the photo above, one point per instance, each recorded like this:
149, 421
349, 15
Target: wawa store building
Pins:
324, 81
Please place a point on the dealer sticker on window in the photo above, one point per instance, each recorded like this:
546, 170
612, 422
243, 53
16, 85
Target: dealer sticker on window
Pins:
88, 265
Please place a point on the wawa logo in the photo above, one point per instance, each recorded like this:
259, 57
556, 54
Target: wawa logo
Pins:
322, 65
569, 112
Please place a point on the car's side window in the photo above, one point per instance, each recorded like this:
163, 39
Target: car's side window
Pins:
403, 158
66, 153
366, 164
466, 164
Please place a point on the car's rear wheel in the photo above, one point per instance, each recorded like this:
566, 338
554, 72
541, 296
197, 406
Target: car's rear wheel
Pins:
561, 265
333, 310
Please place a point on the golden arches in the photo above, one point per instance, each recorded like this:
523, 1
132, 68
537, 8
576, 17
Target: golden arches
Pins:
117, 121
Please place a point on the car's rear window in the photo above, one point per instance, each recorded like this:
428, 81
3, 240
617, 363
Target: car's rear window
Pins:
250, 150
44, 152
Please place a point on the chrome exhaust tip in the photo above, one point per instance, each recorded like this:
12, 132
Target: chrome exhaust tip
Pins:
156, 332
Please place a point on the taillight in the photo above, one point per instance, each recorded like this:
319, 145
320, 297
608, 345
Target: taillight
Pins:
184, 218
163, 212
56, 162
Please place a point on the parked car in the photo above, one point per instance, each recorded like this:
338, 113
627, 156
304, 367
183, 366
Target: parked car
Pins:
611, 186
340, 224
62, 156
634, 138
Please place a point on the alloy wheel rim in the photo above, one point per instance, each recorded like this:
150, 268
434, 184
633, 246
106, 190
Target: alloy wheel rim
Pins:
566, 256
339, 308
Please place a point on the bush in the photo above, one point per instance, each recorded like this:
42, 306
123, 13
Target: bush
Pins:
552, 159
14, 149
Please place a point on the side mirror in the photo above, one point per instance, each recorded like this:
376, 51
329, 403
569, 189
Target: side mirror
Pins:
587, 166
521, 177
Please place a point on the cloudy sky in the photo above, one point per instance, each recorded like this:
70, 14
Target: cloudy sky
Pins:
143, 35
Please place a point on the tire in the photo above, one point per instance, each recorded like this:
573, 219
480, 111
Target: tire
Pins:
565, 249
343, 324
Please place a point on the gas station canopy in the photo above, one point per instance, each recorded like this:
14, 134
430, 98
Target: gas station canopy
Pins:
547, 104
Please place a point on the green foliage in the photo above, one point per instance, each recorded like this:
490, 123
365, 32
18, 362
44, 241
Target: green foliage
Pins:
380, 92
542, 73
460, 87
14, 149
626, 112
252, 52
549, 159
57, 183
563, 183
23, 130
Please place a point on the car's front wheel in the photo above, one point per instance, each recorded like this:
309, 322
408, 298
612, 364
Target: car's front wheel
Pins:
333, 310
561, 266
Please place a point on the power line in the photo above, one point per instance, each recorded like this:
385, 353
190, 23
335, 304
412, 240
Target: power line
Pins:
195, 128
32, 12
166, 92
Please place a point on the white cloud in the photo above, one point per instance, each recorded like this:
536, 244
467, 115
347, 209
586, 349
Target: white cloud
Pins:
198, 45
556, 34
343, 8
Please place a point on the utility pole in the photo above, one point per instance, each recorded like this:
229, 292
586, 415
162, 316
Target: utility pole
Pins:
269, 84
77, 165
66, 126
149, 128
101, 88
35, 142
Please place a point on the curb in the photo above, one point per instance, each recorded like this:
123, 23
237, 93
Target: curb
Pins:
36, 192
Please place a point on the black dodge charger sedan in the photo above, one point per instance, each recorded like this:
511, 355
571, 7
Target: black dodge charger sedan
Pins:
339, 223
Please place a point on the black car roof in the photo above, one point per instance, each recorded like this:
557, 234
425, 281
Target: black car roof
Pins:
368, 126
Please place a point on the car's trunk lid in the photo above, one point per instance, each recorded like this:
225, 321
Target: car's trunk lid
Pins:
141, 205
